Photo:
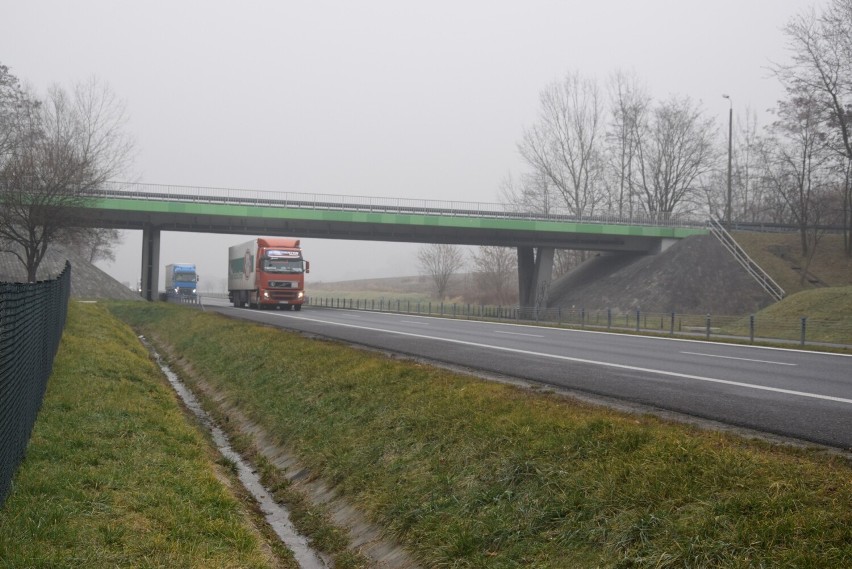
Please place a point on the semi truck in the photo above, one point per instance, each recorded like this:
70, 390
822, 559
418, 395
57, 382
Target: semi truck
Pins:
267, 272
181, 280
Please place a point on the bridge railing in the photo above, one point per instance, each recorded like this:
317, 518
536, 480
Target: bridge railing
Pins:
368, 204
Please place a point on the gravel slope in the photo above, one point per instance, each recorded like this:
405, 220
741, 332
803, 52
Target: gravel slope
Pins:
694, 276
87, 281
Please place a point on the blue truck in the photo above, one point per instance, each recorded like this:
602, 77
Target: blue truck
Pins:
181, 280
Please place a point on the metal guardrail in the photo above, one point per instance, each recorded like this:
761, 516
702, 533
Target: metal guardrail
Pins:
366, 204
750, 328
32, 317
757, 273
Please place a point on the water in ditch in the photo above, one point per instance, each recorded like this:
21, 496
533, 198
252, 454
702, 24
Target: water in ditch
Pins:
276, 515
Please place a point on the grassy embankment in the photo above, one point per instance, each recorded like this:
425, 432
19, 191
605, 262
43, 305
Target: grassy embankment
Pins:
115, 473
468, 473
780, 253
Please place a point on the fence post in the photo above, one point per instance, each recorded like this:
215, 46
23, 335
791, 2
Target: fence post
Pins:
671, 329
582, 318
608, 318
804, 326
637, 319
751, 328
708, 326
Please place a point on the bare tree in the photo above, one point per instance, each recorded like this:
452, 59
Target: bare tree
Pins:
68, 145
14, 103
495, 274
675, 151
821, 49
440, 262
629, 105
799, 163
563, 146
750, 198
534, 193
748, 190
95, 243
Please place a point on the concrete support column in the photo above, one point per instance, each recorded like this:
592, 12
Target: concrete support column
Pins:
150, 262
535, 269
526, 274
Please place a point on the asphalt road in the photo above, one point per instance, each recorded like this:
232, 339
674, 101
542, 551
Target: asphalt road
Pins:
803, 395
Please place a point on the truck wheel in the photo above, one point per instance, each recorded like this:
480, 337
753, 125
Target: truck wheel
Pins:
297, 307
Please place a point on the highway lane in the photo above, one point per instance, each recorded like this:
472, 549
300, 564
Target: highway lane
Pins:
804, 395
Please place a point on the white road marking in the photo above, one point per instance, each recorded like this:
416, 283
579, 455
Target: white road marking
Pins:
518, 334
585, 361
414, 322
741, 359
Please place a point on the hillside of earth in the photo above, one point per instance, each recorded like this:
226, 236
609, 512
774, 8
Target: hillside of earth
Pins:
87, 281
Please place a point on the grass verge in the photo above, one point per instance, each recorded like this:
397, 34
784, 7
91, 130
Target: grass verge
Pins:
115, 474
468, 473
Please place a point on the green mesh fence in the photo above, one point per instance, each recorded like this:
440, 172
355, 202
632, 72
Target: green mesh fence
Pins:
32, 317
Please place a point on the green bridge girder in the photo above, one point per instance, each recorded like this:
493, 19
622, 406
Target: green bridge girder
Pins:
326, 223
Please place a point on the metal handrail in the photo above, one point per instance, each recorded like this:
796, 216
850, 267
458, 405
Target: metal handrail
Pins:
761, 276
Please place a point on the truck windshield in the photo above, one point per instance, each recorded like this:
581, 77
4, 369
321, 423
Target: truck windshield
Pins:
279, 265
185, 277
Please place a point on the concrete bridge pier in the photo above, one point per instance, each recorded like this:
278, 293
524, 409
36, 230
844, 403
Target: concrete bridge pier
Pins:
150, 261
535, 269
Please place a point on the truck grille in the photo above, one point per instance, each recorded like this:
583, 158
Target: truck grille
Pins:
283, 294
281, 284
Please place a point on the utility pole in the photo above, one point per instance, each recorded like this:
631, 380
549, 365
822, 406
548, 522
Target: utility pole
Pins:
730, 145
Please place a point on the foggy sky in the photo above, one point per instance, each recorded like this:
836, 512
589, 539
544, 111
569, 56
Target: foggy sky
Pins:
376, 98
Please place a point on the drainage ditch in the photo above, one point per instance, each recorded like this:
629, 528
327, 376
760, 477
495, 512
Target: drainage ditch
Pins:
276, 515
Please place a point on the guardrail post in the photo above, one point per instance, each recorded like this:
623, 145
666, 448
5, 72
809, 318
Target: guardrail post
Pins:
804, 326
751, 328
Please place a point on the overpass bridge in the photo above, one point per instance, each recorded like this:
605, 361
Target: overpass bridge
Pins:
153, 208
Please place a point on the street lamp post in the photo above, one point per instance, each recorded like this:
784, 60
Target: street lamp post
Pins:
730, 144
